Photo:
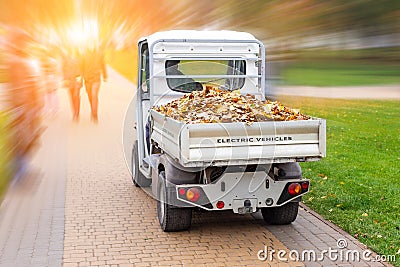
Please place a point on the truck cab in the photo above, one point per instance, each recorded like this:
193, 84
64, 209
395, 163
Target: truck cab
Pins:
174, 63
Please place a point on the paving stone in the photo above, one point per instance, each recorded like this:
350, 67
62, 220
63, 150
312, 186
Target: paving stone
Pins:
101, 200
322, 236
82, 209
26, 213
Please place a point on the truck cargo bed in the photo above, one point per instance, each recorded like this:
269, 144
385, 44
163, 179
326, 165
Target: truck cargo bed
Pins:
219, 144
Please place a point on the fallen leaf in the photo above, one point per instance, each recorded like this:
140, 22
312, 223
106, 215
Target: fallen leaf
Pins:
212, 102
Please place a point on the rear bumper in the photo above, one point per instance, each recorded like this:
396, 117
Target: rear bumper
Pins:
242, 192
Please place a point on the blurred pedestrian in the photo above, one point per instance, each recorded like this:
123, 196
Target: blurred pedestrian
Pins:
24, 99
73, 81
50, 82
93, 71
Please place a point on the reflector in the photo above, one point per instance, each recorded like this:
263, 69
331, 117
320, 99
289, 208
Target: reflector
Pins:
304, 185
220, 205
182, 191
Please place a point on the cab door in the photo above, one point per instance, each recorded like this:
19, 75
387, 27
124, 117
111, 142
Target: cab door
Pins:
143, 107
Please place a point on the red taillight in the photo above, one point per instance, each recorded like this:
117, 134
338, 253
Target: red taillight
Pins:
304, 185
193, 194
182, 191
294, 189
220, 205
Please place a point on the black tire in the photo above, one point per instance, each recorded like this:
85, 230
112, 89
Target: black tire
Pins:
285, 214
138, 178
171, 219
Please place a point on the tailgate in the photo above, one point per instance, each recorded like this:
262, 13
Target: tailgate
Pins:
219, 144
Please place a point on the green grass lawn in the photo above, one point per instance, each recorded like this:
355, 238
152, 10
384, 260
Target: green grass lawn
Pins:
341, 73
313, 68
357, 186
125, 62
324, 67
5, 170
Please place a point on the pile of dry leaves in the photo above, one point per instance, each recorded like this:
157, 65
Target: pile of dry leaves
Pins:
213, 105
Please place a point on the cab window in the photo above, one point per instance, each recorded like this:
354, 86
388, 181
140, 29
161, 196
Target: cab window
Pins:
189, 68
145, 71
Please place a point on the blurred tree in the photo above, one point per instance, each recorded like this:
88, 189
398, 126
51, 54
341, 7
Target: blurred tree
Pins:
121, 22
368, 17
36, 15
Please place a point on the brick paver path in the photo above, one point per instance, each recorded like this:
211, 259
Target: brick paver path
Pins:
81, 209
109, 221
32, 212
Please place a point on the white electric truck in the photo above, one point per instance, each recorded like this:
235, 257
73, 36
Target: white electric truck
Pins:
216, 166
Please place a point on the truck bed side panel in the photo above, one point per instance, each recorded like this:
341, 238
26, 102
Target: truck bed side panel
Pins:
237, 143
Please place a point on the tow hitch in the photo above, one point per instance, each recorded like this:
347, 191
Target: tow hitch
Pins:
244, 206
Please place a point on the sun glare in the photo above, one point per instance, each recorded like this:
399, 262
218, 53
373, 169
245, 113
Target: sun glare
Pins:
83, 34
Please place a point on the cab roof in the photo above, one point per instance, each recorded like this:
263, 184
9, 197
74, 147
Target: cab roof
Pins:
187, 35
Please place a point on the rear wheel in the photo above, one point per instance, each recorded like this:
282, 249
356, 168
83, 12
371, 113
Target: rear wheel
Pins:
281, 215
137, 177
171, 218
